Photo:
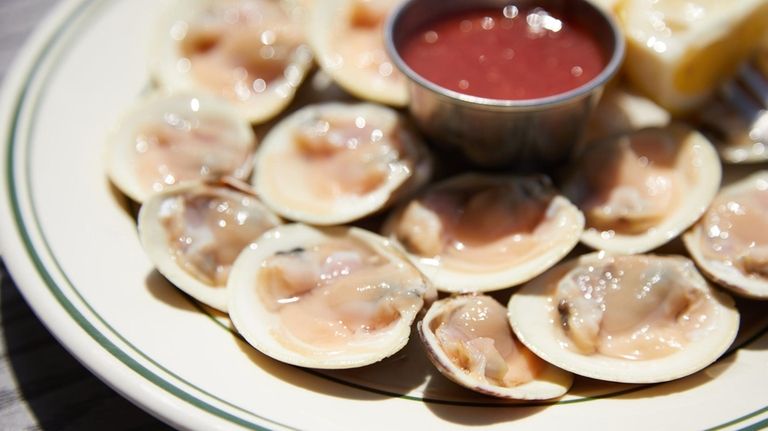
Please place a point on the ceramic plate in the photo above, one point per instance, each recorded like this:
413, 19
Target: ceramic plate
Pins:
73, 250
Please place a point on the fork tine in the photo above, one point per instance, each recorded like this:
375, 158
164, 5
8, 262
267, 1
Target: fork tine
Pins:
740, 99
755, 82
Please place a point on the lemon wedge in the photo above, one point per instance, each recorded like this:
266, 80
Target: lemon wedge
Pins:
679, 51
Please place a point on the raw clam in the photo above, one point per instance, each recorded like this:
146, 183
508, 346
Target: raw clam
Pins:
193, 233
330, 298
333, 163
630, 319
348, 39
166, 140
251, 52
476, 233
469, 340
730, 243
640, 190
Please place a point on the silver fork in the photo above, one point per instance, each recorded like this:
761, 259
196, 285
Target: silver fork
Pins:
747, 92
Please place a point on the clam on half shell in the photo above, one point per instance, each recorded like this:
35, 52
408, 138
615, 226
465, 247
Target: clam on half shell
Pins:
477, 233
251, 52
640, 190
166, 140
347, 37
469, 340
730, 243
629, 319
333, 163
193, 233
330, 298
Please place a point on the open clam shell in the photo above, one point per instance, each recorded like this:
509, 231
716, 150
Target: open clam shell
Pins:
730, 243
250, 52
478, 233
469, 340
640, 190
168, 139
347, 38
629, 319
325, 298
193, 233
333, 163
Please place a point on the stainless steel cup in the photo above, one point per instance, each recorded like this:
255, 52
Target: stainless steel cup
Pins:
531, 133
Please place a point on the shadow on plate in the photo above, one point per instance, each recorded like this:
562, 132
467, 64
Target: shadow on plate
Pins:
164, 291
370, 383
682, 385
753, 332
59, 392
373, 382
761, 343
129, 207
459, 405
309, 379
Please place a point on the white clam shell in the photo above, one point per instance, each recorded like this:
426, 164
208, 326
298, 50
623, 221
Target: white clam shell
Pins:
259, 326
173, 71
122, 157
273, 181
326, 18
551, 382
698, 160
531, 314
720, 271
561, 213
155, 237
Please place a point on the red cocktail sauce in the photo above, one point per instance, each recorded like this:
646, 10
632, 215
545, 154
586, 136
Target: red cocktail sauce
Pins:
507, 54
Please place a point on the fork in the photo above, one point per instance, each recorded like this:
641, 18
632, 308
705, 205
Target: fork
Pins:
747, 92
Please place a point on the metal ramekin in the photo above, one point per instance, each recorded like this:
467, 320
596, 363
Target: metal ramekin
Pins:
527, 134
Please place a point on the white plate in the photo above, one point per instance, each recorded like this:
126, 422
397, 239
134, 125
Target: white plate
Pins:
73, 251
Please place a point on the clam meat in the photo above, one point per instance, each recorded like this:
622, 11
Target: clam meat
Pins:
347, 37
625, 318
730, 243
330, 298
166, 140
251, 52
640, 190
193, 233
469, 340
333, 163
475, 233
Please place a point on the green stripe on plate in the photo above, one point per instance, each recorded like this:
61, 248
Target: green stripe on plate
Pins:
56, 291
123, 356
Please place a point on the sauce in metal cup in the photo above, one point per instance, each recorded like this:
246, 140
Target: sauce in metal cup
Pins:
524, 99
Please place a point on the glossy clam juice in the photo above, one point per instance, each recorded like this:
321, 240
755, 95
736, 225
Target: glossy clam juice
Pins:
507, 53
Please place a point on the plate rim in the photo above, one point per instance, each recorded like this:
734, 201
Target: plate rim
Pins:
34, 281
109, 362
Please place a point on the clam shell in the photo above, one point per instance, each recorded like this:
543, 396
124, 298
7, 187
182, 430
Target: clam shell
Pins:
154, 234
566, 219
174, 72
289, 194
532, 316
550, 383
700, 166
721, 272
262, 328
171, 111
384, 85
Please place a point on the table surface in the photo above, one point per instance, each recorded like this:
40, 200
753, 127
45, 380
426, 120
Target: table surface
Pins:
42, 386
